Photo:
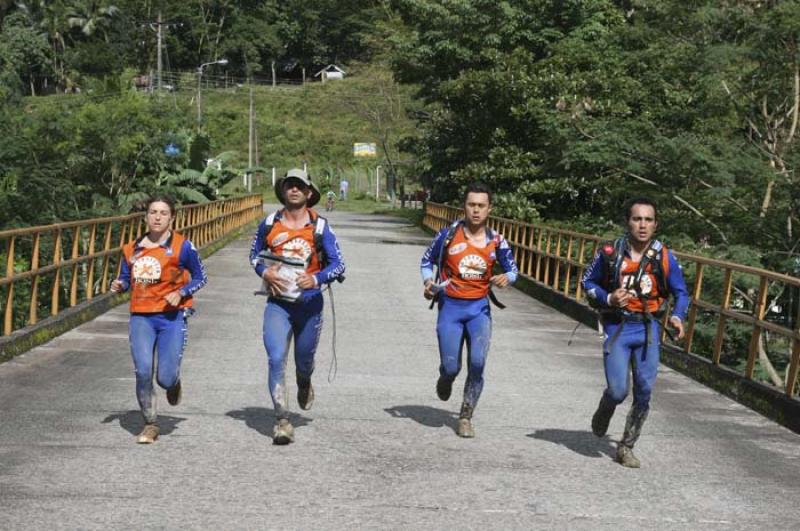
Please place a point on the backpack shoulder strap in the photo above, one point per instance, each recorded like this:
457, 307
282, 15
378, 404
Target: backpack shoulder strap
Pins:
319, 225
653, 257
269, 222
494, 236
319, 229
448, 239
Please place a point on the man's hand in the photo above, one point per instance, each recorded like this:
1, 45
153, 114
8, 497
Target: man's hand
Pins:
116, 286
677, 324
306, 281
276, 283
428, 293
500, 281
173, 298
620, 297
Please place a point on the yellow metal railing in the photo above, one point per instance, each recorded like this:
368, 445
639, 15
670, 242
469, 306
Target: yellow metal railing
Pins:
53, 267
736, 299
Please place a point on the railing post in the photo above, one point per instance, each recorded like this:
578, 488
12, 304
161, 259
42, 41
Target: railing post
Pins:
89, 287
8, 324
696, 293
33, 311
581, 268
726, 302
54, 298
73, 287
106, 257
557, 272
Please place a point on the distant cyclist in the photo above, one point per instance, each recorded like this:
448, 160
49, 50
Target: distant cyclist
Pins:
330, 200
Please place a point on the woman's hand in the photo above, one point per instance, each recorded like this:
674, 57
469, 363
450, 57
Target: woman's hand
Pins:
116, 286
500, 281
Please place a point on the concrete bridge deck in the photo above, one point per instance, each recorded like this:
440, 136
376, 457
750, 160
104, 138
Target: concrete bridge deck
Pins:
378, 449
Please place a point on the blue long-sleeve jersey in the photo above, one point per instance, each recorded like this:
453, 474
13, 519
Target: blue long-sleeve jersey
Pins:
333, 270
188, 259
430, 259
593, 284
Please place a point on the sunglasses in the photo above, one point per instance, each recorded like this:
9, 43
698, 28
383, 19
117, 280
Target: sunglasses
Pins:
295, 183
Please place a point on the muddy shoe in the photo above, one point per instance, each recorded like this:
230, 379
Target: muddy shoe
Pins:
174, 394
465, 428
305, 396
626, 458
444, 387
149, 434
283, 432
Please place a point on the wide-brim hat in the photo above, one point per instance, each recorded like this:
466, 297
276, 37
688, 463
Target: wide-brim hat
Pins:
300, 175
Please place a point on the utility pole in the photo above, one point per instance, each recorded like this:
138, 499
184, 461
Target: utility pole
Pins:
249, 136
378, 183
157, 26
273, 74
250, 132
158, 53
223, 62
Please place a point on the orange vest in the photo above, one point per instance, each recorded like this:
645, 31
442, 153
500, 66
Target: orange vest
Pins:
154, 274
295, 243
648, 283
468, 268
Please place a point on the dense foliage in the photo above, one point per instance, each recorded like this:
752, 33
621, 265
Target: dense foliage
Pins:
80, 136
568, 107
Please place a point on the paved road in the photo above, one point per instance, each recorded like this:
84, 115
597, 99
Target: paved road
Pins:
378, 450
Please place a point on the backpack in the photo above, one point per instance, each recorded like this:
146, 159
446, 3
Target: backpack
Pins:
613, 254
448, 239
319, 228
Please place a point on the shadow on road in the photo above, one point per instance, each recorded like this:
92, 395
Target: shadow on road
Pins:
262, 419
425, 415
579, 441
133, 422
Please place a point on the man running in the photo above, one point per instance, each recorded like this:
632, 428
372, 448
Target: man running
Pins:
304, 255
629, 281
465, 253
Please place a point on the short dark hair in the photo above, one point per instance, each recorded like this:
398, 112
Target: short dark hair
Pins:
641, 200
478, 188
163, 198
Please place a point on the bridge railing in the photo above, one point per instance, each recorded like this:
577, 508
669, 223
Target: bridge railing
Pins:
54, 267
735, 308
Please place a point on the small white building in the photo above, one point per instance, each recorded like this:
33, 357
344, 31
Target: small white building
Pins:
331, 72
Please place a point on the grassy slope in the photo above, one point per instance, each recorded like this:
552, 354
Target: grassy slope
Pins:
315, 123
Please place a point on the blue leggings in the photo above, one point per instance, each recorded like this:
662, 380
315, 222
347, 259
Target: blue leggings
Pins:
282, 320
163, 334
624, 348
464, 321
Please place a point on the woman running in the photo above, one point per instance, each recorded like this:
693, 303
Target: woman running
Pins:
163, 270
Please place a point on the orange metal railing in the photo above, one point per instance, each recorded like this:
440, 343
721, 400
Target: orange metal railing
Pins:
729, 301
53, 267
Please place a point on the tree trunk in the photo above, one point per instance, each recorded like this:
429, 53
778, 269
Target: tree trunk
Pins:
766, 364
